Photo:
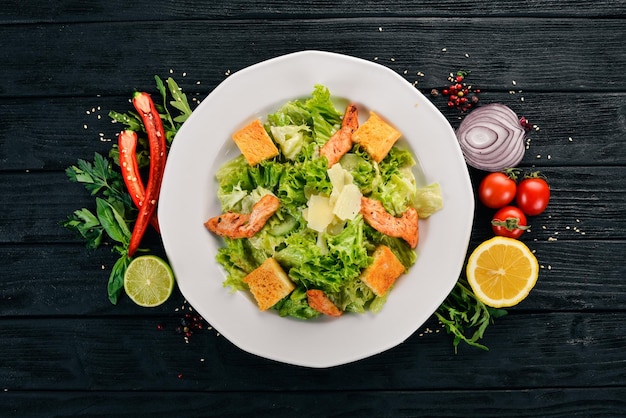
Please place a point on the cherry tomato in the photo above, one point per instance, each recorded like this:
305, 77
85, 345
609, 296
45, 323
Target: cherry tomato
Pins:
497, 190
509, 222
533, 195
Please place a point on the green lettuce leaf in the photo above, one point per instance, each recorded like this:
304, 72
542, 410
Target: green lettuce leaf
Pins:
290, 139
428, 200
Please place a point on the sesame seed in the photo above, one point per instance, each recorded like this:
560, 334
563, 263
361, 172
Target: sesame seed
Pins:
380, 29
514, 83
444, 49
85, 126
467, 55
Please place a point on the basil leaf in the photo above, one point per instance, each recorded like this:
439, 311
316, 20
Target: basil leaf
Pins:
112, 222
116, 278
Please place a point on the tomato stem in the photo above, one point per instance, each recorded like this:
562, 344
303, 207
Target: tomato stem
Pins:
510, 224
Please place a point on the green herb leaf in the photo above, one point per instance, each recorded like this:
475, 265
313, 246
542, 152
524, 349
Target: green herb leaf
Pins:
130, 119
99, 177
466, 317
87, 225
112, 221
166, 113
180, 101
116, 278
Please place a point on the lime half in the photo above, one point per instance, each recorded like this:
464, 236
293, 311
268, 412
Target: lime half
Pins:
148, 281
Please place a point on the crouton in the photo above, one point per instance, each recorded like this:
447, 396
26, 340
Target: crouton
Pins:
254, 143
376, 136
383, 272
269, 283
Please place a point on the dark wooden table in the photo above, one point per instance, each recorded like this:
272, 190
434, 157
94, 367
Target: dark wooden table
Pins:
65, 350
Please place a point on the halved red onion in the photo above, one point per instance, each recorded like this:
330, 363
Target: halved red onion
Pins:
492, 138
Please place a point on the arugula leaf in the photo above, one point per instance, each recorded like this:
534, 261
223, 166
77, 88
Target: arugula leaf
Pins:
463, 314
180, 101
161, 88
130, 119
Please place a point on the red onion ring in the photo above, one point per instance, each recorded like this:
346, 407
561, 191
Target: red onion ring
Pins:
492, 138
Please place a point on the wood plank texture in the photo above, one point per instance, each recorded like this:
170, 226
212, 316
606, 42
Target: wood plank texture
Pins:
561, 350
60, 56
97, 11
500, 404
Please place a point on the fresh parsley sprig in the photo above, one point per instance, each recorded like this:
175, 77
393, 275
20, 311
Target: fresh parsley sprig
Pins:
113, 215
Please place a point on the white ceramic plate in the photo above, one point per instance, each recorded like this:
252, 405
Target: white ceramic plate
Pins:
188, 199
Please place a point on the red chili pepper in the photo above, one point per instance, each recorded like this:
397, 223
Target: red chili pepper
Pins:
158, 153
127, 142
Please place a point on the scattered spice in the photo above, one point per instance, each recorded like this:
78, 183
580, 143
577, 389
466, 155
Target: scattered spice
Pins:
459, 94
190, 323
